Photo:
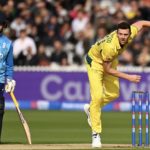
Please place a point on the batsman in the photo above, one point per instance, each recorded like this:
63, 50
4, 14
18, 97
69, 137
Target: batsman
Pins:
6, 67
101, 63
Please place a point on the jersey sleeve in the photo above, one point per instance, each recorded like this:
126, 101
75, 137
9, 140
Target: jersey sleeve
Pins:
108, 53
9, 63
134, 31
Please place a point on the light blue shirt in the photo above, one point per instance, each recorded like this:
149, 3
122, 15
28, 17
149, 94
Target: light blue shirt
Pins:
6, 58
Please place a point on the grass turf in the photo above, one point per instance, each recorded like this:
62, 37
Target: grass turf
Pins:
65, 127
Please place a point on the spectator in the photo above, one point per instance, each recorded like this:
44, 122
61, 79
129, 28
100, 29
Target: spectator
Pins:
41, 58
136, 50
101, 32
144, 58
126, 58
49, 37
59, 56
22, 46
38, 22
17, 25
79, 23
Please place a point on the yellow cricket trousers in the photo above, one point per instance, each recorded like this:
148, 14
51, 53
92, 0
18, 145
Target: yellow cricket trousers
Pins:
103, 89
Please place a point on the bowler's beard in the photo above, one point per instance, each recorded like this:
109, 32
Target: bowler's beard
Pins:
122, 44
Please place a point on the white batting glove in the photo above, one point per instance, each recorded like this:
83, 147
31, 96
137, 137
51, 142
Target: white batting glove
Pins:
10, 85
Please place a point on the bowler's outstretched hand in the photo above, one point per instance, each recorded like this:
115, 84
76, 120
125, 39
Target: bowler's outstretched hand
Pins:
134, 78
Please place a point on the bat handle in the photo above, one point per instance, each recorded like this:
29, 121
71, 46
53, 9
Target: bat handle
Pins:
14, 99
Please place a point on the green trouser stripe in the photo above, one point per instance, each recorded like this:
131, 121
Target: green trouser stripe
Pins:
89, 60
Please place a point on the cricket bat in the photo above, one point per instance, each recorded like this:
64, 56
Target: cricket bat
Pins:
23, 121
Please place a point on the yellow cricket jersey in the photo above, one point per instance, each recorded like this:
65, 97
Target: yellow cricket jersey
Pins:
109, 48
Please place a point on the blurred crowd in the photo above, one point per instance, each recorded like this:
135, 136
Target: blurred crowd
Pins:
60, 32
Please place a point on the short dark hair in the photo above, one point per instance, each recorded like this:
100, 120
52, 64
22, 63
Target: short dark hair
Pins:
124, 25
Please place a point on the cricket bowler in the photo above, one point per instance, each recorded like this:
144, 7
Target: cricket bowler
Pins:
6, 67
101, 63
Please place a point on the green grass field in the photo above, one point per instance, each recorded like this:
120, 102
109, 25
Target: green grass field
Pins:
65, 127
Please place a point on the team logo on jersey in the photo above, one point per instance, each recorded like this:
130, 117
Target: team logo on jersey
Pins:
4, 45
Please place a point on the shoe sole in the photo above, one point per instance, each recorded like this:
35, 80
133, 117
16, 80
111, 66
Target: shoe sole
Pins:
98, 146
86, 110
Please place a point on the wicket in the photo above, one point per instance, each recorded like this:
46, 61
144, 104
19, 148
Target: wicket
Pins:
140, 98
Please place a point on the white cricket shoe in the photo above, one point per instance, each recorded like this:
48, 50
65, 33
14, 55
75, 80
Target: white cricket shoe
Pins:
96, 141
87, 111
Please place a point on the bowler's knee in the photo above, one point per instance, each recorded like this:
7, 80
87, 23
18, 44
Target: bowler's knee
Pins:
96, 99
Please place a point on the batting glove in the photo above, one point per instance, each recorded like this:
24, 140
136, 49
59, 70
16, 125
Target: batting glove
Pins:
10, 85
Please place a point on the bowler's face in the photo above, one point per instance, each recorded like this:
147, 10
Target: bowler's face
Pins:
123, 36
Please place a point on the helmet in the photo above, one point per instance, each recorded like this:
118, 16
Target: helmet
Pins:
3, 20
